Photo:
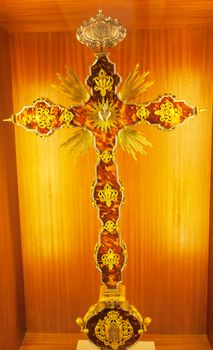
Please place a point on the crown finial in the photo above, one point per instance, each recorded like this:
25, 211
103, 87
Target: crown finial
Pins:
101, 32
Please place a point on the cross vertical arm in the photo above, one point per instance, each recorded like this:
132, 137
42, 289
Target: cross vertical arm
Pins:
110, 253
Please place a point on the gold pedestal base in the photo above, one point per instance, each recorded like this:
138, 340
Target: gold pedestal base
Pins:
112, 323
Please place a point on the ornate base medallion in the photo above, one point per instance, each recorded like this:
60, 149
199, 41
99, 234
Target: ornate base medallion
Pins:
113, 323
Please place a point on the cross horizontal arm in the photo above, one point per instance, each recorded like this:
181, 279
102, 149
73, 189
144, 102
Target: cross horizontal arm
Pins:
44, 117
165, 113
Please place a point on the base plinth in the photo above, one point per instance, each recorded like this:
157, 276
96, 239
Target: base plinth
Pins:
141, 345
112, 321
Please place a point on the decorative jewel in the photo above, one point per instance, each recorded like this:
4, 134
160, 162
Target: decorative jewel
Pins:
101, 32
142, 112
108, 195
103, 82
113, 330
110, 226
110, 258
106, 156
168, 113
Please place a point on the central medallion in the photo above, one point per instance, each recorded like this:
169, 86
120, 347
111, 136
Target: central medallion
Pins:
105, 115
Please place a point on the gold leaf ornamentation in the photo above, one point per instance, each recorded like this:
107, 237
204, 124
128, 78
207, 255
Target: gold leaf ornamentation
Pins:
110, 226
79, 143
132, 141
106, 156
42, 117
168, 113
142, 112
73, 88
108, 195
103, 82
113, 330
67, 117
134, 86
110, 258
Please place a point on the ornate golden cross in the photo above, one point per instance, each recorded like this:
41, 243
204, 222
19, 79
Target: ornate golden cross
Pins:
106, 116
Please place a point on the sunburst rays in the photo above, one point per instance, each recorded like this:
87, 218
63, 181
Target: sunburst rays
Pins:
132, 141
105, 115
79, 142
72, 87
134, 86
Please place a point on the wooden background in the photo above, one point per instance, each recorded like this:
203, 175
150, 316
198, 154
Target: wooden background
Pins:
165, 220
210, 287
65, 15
12, 311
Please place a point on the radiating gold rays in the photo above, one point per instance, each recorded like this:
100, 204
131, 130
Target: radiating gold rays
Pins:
79, 142
105, 115
73, 88
132, 141
134, 86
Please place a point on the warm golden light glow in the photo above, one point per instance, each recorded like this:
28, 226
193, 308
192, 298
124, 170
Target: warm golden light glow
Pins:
162, 218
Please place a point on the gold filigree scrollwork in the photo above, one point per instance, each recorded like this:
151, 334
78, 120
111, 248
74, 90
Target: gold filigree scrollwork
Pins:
113, 330
108, 195
103, 82
106, 156
110, 226
110, 258
43, 118
66, 117
168, 113
142, 113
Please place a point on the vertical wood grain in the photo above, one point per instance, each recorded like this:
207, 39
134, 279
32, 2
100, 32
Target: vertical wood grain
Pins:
210, 283
165, 220
65, 341
12, 313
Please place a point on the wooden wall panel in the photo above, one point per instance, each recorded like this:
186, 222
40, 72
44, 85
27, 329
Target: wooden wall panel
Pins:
12, 313
65, 15
165, 219
210, 284
65, 341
